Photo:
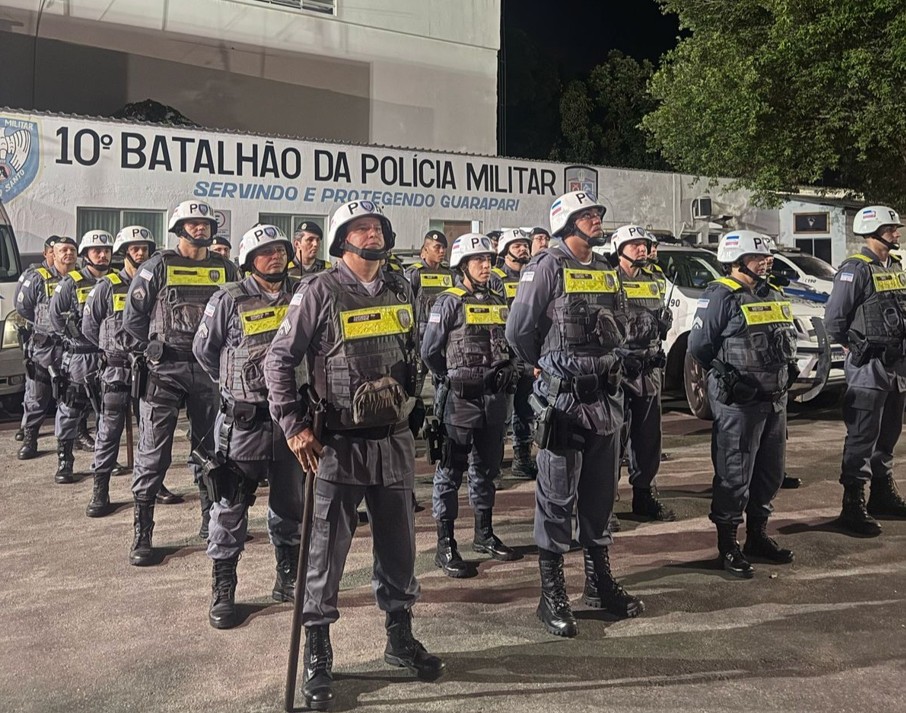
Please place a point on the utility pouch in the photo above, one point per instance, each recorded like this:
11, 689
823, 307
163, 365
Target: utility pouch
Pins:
434, 435
139, 376
154, 352
378, 403
586, 387
468, 389
245, 415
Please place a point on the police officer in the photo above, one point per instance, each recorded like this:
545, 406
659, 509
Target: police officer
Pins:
647, 322
239, 323
353, 326
743, 334
163, 311
45, 351
102, 325
866, 313
306, 244
514, 248
563, 321
81, 358
221, 246
541, 239
465, 348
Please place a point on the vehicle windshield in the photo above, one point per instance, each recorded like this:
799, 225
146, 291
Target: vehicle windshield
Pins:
690, 268
811, 265
9, 256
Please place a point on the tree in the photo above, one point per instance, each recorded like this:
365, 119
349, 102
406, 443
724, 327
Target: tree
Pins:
785, 92
600, 117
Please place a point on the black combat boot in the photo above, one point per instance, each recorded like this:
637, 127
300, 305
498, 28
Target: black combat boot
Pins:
487, 542
317, 667
100, 496
448, 557
758, 544
614, 524
205, 502
646, 504
20, 434
553, 609
731, 556
602, 591
885, 499
223, 614
790, 482
141, 554
29, 448
65, 463
523, 464
854, 517
84, 441
405, 651
287, 567
166, 497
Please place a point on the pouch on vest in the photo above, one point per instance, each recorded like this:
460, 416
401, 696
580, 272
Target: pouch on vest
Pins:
609, 331
245, 415
378, 402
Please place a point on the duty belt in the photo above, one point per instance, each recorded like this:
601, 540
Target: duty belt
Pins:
171, 354
117, 361
369, 434
585, 388
81, 349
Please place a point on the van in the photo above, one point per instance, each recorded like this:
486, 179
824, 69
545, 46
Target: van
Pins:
12, 362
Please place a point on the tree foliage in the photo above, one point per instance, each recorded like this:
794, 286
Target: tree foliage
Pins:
786, 92
600, 116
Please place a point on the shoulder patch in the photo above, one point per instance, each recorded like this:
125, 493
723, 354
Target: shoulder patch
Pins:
703, 304
434, 318
297, 299
146, 274
846, 277
209, 310
527, 276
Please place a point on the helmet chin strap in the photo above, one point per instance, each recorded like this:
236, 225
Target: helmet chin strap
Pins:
476, 285
196, 242
887, 243
100, 268
761, 283
642, 262
520, 260
592, 241
365, 254
272, 278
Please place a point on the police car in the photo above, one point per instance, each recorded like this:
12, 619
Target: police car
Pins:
689, 270
810, 277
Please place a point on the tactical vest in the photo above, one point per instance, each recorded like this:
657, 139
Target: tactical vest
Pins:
479, 343
112, 336
367, 374
583, 313
241, 366
431, 282
643, 300
767, 347
318, 265
658, 273
880, 318
83, 286
188, 285
42, 308
510, 283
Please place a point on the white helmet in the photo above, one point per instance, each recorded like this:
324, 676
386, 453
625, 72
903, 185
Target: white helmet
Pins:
95, 239
872, 217
470, 245
192, 210
628, 233
346, 213
734, 245
132, 234
258, 237
510, 236
566, 205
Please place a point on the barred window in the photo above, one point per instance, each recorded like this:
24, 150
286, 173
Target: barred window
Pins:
114, 219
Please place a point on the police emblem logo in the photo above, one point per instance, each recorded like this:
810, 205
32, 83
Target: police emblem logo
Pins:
581, 178
609, 281
902, 279
214, 275
201, 208
786, 311
19, 156
654, 289
404, 318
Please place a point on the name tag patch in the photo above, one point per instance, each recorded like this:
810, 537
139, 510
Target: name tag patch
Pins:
486, 314
376, 321
768, 313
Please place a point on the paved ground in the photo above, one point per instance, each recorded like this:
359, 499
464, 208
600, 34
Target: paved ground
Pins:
80, 630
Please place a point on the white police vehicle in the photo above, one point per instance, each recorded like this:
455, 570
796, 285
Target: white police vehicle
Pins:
12, 364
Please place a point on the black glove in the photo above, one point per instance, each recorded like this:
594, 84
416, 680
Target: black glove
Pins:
498, 380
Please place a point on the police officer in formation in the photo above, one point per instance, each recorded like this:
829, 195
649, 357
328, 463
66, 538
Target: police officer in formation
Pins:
44, 350
541, 239
743, 334
221, 246
306, 245
564, 321
238, 325
465, 348
514, 250
353, 325
647, 322
866, 313
102, 326
81, 358
163, 312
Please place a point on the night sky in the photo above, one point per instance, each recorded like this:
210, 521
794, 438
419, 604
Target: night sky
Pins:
592, 28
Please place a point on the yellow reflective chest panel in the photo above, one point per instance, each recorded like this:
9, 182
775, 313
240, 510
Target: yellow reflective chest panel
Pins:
201, 276
376, 321
589, 281
264, 319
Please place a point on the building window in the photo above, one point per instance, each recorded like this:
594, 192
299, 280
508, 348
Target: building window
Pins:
328, 7
288, 222
114, 219
819, 247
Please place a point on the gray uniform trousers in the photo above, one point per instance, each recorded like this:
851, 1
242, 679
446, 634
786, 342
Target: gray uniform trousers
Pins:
478, 450
229, 520
748, 445
874, 422
171, 385
38, 391
78, 366
115, 409
641, 436
523, 415
571, 480
335, 518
